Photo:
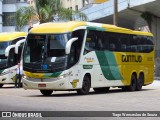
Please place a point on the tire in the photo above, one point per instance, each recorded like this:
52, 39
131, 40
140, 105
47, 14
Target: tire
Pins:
46, 92
132, 86
124, 88
85, 86
101, 90
140, 82
1, 85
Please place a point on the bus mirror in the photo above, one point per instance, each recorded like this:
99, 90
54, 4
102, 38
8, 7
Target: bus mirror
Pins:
69, 44
18, 44
8, 50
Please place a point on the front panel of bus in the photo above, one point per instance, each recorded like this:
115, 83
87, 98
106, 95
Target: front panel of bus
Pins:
8, 64
44, 59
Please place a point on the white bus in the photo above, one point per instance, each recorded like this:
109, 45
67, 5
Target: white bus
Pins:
10, 55
83, 55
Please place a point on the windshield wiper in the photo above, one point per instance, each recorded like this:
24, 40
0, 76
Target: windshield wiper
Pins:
37, 61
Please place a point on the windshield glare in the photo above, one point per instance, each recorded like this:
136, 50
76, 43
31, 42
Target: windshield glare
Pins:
41, 48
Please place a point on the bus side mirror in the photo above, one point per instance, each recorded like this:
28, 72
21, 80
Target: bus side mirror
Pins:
8, 50
18, 44
69, 44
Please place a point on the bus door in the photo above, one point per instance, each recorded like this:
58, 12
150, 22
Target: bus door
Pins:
93, 50
74, 58
13, 59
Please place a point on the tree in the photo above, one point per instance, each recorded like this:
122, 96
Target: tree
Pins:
45, 11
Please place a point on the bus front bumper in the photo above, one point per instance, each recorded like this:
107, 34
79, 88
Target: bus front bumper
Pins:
61, 84
4, 79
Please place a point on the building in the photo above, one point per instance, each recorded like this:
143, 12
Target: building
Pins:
78, 4
30, 2
7, 14
141, 15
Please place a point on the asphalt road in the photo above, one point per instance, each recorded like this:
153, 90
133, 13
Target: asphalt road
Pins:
18, 99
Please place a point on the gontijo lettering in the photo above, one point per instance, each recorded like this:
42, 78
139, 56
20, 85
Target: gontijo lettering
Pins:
131, 58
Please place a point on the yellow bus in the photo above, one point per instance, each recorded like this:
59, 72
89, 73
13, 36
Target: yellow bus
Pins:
83, 55
10, 55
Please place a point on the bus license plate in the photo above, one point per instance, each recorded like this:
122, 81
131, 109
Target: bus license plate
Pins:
42, 85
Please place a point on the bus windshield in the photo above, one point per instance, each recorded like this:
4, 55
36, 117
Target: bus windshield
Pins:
45, 48
3, 46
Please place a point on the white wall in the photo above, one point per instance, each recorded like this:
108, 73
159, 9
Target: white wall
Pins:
21, 4
11, 8
8, 28
12, 29
155, 28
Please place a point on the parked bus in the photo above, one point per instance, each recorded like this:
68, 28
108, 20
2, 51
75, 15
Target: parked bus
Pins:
83, 55
9, 55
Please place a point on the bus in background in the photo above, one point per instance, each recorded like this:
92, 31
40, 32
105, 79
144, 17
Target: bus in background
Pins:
83, 55
10, 55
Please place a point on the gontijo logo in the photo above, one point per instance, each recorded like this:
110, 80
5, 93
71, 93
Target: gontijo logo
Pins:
131, 58
89, 59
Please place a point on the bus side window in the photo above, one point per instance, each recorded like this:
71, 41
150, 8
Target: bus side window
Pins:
76, 47
112, 47
18, 56
100, 45
123, 47
113, 42
12, 58
105, 41
91, 41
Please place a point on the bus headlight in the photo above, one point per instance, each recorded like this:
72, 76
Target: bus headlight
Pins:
64, 76
61, 77
24, 76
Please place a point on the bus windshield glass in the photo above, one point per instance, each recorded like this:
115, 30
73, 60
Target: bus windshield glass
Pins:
3, 46
45, 48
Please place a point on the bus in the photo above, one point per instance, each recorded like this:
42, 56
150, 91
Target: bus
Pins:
83, 55
10, 55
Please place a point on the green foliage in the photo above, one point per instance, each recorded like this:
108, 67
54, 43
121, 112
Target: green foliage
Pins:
45, 11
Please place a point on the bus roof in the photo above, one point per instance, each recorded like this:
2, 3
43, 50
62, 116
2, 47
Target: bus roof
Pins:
9, 36
64, 27
57, 27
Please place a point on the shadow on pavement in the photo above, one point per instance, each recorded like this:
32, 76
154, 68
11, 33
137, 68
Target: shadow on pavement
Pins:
112, 91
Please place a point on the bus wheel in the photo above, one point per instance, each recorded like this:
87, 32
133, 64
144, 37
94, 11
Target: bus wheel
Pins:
21, 85
46, 92
1, 85
85, 87
140, 82
101, 90
132, 86
124, 88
